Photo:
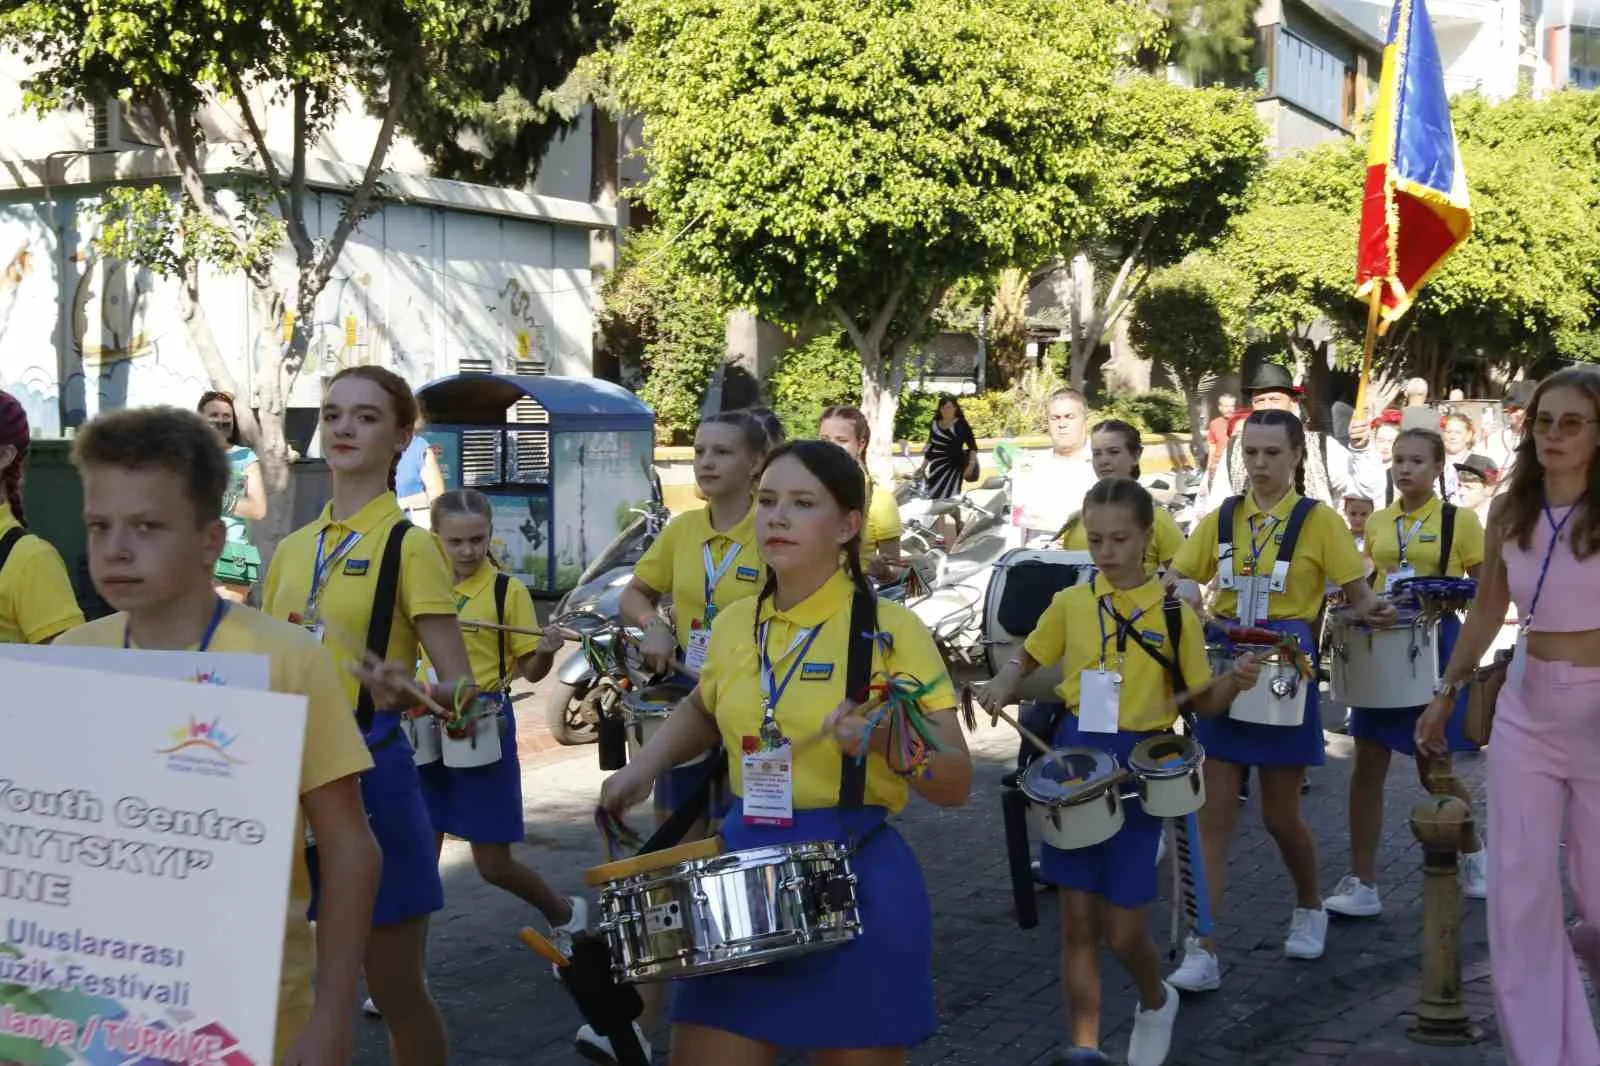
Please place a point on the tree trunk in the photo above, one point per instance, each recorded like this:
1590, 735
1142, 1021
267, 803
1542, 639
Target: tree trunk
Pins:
1081, 313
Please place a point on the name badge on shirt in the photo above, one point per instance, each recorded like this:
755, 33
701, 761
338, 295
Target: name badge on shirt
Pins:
695, 655
1099, 701
1254, 606
1397, 575
356, 567
768, 783
816, 671
746, 573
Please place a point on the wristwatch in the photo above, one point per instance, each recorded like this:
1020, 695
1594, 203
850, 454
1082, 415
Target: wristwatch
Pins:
1441, 688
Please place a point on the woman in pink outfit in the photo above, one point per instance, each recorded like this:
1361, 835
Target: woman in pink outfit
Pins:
1544, 761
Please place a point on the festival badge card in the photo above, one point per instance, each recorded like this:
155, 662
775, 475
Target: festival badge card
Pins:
147, 830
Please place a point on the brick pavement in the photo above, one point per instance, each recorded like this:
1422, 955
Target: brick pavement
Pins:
998, 994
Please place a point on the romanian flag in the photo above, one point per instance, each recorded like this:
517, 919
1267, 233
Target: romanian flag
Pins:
1415, 211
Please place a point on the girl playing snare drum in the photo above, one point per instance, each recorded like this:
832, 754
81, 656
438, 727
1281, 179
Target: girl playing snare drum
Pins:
1272, 560
1087, 628
774, 687
1405, 540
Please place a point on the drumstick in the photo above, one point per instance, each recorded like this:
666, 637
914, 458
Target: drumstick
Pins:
1027, 734
411, 688
538, 943
673, 662
518, 630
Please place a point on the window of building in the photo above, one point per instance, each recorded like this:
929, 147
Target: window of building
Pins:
1584, 70
1314, 79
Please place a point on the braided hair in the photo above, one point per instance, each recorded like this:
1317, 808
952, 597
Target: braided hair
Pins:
407, 412
13, 431
844, 480
1292, 428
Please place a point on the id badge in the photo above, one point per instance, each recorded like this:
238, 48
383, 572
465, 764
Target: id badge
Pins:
316, 629
1404, 573
1519, 663
1099, 701
695, 655
1253, 607
768, 784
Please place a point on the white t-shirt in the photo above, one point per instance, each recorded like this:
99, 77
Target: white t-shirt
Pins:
1047, 489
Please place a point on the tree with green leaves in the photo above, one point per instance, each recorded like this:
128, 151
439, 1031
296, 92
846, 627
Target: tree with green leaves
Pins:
1211, 40
1179, 163
1190, 321
852, 159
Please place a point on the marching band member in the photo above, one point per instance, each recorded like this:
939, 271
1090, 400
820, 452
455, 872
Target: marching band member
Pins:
705, 560
1115, 448
774, 688
1419, 535
1543, 533
847, 427
1329, 467
1114, 698
360, 570
240, 566
1272, 552
154, 481
483, 804
37, 603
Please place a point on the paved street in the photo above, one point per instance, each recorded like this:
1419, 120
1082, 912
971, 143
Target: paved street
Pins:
999, 998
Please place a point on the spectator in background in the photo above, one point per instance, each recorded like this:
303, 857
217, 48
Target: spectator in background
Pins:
1416, 393
1477, 476
1357, 509
1221, 430
1502, 445
951, 448
418, 481
1459, 434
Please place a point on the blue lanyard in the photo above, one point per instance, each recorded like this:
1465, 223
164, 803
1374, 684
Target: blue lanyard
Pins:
322, 568
1549, 552
715, 573
1124, 627
772, 689
205, 638
1268, 526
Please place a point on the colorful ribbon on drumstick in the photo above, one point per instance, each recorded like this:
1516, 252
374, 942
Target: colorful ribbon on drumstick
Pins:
616, 834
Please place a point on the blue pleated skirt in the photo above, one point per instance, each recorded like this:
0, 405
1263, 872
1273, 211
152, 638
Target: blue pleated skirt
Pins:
410, 884
1251, 744
875, 991
1396, 729
480, 804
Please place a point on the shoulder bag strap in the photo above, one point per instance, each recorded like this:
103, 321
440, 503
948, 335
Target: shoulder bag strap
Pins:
8, 542
857, 675
384, 600
1447, 537
502, 586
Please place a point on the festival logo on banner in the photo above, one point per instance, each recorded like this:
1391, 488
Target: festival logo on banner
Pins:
201, 748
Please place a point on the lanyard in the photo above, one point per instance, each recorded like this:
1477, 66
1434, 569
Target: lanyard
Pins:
1544, 568
1124, 627
1256, 549
715, 572
1404, 539
217, 614
323, 567
772, 689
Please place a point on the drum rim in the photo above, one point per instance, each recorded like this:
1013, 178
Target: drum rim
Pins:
640, 702
1105, 765
1193, 756
597, 876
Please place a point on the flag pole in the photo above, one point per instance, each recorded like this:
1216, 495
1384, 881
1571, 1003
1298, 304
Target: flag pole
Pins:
1374, 306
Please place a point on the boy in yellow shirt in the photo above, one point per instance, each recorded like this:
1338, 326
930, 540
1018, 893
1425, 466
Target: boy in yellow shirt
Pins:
153, 481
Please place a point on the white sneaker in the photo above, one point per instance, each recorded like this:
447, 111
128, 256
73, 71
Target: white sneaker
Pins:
370, 1009
1199, 971
596, 1048
1475, 874
1308, 934
1354, 898
1152, 1031
561, 935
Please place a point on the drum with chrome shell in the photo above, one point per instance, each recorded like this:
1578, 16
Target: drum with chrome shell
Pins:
1073, 797
1167, 772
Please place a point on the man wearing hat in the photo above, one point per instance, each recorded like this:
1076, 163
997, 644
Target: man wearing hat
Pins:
1502, 444
1477, 476
1328, 466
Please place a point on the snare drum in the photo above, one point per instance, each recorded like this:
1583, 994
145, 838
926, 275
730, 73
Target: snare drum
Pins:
423, 732
1073, 800
1020, 589
1279, 695
696, 910
1395, 668
1166, 770
480, 746
646, 710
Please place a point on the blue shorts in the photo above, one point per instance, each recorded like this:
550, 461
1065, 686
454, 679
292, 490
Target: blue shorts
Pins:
390, 791
1251, 744
1122, 870
1396, 729
874, 992
481, 804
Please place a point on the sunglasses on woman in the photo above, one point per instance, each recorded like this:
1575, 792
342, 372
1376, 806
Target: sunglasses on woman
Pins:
1568, 425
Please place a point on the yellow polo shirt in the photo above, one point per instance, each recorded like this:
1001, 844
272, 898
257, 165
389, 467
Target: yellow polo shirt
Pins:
346, 600
730, 685
1068, 633
1165, 540
1326, 552
1385, 528
675, 565
36, 597
882, 519
475, 603
332, 749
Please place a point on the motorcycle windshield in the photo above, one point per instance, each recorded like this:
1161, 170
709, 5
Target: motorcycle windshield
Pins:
628, 547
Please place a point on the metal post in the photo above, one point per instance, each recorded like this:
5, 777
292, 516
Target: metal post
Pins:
1440, 824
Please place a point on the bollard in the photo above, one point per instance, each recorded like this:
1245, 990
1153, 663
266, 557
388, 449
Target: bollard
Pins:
1440, 823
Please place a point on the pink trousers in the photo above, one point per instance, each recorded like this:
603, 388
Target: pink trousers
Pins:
1544, 786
